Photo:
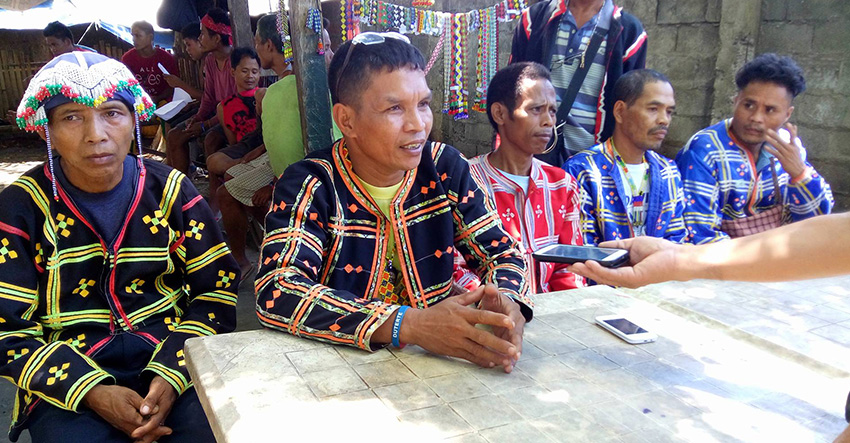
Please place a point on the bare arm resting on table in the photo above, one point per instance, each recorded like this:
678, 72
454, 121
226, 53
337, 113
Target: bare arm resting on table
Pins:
812, 248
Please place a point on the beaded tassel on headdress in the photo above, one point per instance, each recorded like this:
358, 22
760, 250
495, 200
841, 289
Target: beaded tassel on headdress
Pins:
50, 163
138, 137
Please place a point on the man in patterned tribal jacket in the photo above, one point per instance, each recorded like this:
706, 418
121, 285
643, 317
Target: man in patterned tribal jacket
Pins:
629, 189
360, 232
728, 168
108, 264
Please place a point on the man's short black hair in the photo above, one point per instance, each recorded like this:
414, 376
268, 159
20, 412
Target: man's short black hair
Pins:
772, 68
392, 54
506, 86
267, 30
239, 53
191, 31
58, 30
629, 86
144, 26
219, 16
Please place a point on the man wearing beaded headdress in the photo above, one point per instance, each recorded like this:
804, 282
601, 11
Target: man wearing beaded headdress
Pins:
588, 45
219, 85
628, 189
360, 237
108, 264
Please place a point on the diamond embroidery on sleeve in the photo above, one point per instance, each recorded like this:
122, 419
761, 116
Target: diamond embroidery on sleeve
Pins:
6, 252
59, 374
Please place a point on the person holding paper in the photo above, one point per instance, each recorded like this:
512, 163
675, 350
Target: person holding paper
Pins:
150, 64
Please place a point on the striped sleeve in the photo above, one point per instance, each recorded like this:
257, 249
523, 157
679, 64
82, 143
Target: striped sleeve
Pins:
211, 274
290, 296
701, 190
584, 173
809, 196
486, 247
55, 372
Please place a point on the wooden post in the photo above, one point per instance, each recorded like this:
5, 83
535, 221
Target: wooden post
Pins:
311, 77
241, 22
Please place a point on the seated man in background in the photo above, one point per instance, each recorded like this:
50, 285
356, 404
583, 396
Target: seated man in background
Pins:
742, 176
218, 85
190, 33
628, 189
108, 264
60, 40
143, 60
360, 232
537, 203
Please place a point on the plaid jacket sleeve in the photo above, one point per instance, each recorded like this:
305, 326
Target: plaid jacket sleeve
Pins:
676, 230
583, 170
290, 296
701, 190
479, 236
809, 196
56, 372
211, 274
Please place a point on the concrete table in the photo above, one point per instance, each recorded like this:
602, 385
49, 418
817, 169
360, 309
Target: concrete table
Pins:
575, 382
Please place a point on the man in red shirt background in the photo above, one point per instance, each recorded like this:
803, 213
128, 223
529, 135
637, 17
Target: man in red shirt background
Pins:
143, 60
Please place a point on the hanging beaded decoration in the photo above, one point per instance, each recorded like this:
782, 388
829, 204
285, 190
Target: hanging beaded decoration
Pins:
488, 57
423, 3
283, 30
345, 18
458, 106
447, 61
314, 23
436, 53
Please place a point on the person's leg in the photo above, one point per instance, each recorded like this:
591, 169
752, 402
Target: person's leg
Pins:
188, 421
235, 220
213, 142
48, 424
177, 149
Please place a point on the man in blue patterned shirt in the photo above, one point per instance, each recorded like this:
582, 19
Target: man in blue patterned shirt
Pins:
749, 173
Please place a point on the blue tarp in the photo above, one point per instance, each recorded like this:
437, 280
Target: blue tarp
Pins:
114, 16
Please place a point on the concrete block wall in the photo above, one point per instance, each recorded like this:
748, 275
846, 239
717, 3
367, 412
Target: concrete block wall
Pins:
684, 38
817, 34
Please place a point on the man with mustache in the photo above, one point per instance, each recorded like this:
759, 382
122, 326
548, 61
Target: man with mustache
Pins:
537, 203
730, 182
628, 189
360, 238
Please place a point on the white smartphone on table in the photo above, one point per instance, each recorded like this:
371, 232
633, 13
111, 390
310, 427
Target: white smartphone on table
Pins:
625, 329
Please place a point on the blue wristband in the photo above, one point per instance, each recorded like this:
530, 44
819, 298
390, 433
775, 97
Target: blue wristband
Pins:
397, 325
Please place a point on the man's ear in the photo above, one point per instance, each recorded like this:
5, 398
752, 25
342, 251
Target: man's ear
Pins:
343, 116
788, 115
619, 108
40, 131
499, 112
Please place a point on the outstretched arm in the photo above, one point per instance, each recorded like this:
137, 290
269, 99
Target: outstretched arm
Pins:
817, 247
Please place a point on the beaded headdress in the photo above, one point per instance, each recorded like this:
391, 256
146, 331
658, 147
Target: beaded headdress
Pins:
87, 78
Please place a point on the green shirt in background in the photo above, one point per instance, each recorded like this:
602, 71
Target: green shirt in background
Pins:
282, 125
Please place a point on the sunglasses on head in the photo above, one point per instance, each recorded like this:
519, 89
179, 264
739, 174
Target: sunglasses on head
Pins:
366, 38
